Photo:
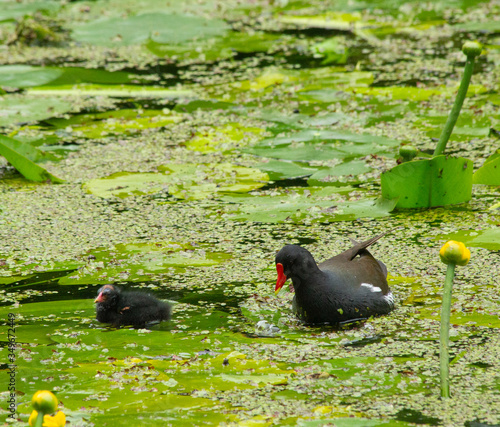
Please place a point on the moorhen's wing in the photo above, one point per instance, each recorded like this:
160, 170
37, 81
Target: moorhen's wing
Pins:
357, 265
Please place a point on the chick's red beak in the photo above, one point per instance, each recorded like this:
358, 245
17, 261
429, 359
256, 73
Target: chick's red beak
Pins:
281, 278
100, 298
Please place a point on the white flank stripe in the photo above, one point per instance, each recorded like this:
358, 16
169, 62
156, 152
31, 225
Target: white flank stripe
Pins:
371, 287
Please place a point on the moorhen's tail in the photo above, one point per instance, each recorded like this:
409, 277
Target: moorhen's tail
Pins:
165, 311
359, 247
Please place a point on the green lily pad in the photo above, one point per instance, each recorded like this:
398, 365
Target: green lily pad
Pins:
125, 121
197, 181
222, 138
14, 9
160, 27
126, 184
345, 172
438, 181
134, 262
308, 145
314, 203
118, 91
489, 173
278, 169
332, 50
488, 238
184, 181
26, 109
22, 76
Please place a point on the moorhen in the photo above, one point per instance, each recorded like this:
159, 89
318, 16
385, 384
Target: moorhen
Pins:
350, 286
129, 308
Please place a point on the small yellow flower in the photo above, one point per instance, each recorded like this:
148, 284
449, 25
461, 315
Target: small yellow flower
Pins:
58, 420
454, 252
44, 401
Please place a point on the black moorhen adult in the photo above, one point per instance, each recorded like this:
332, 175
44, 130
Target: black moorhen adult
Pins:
137, 309
349, 286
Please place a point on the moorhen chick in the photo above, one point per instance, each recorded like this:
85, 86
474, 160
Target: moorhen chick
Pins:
129, 308
350, 286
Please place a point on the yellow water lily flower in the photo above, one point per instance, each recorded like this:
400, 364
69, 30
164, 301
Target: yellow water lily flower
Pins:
57, 420
454, 252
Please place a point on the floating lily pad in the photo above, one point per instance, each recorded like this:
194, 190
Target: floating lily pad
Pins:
184, 181
438, 181
345, 172
118, 91
126, 184
100, 125
313, 203
22, 76
489, 173
133, 262
332, 50
309, 145
16, 109
192, 181
222, 138
160, 27
278, 169
488, 238
14, 9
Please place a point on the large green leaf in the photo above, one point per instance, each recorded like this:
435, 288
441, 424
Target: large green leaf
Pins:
296, 204
135, 262
25, 75
26, 150
345, 172
488, 238
161, 28
15, 9
19, 154
439, 181
24, 108
489, 173
118, 122
188, 181
308, 145
118, 91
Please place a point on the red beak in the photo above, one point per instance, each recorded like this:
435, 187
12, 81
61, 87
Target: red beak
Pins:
99, 298
281, 278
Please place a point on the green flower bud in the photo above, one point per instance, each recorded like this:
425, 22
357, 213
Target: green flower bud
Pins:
472, 49
407, 152
44, 401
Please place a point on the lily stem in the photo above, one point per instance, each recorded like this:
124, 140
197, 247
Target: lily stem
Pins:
39, 419
457, 106
444, 358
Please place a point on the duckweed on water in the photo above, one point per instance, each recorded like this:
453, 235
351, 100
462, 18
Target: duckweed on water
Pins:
261, 90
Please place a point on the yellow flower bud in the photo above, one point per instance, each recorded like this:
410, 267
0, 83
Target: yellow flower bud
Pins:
58, 420
454, 252
44, 401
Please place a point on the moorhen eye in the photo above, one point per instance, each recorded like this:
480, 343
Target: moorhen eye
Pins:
349, 286
136, 309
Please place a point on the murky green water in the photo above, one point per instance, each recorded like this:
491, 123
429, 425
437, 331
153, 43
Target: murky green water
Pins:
195, 139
